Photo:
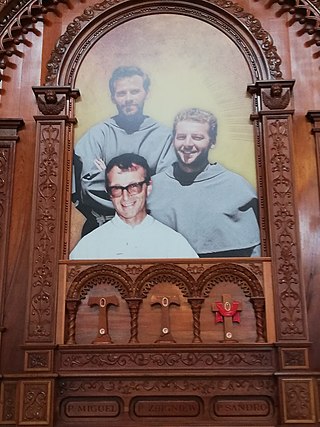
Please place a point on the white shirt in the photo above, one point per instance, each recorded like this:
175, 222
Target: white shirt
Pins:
117, 239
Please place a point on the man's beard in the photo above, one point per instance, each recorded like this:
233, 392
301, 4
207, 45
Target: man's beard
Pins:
130, 123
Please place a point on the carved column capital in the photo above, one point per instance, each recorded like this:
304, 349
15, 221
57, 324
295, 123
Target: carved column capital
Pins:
273, 95
9, 129
314, 117
55, 100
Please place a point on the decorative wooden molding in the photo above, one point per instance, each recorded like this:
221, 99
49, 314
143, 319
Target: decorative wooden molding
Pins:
234, 358
253, 399
105, 16
274, 116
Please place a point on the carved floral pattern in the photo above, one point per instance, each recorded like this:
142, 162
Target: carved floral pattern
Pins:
38, 360
205, 387
170, 360
35, 402
45, 236
298, 401
294, 358
282, 205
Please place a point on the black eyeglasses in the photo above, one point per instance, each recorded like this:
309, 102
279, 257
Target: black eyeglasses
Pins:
132, 189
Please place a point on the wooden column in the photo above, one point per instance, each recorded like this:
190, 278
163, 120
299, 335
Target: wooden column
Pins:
273, 120
51, 201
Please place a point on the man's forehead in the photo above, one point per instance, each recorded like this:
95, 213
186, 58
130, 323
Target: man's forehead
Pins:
190, 124
117, 174
135, 79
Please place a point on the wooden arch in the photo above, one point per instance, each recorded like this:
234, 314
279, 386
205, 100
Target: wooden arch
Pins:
242, 28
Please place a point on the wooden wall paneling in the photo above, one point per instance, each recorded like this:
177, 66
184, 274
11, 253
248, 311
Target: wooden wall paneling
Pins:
8, 139
125, 382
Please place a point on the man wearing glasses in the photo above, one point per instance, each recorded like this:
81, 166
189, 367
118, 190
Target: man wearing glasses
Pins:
132, 233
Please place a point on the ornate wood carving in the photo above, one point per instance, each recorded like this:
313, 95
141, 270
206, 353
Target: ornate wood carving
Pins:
298, 398
276, 127
159, 357
35, 401
52, 135
93, 372
38, 360
252, 401
223, 11
294, 358
195, 287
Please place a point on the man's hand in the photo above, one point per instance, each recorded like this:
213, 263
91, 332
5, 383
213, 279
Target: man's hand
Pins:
100, 164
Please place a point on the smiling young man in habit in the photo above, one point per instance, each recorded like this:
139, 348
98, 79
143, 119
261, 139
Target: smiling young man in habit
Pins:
212, 207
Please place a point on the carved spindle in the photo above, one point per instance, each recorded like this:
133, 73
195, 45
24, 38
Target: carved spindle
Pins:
259, 310
72, 309
134, 305
196, 304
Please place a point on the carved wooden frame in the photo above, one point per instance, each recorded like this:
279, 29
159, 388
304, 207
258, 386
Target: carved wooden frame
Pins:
49, 289
273, 129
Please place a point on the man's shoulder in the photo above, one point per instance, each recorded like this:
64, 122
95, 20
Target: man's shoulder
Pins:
165, 228
165, 175
150, 122
97, 129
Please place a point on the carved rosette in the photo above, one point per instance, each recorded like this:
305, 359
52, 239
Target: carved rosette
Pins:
38, 360
275, 113
48, 204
